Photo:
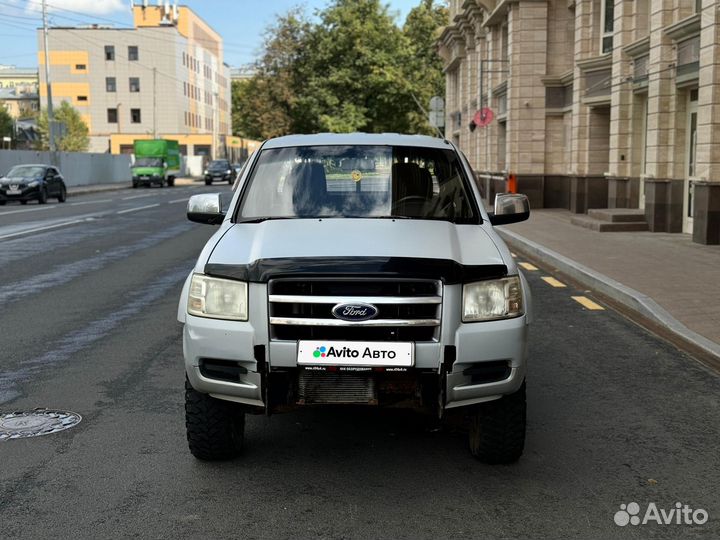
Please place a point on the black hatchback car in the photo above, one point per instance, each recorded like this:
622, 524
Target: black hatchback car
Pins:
32, 182
219, 170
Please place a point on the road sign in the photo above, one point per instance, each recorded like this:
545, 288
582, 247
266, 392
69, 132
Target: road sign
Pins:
436, 115
483, 117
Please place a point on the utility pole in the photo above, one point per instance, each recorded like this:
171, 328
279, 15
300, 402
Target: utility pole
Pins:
51, 134
154, 103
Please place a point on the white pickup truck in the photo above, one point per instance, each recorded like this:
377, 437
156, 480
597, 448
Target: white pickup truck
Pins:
356, 269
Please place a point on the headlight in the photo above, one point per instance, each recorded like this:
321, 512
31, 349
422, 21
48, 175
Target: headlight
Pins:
205, 171
492, 299
217, 298
228, 171
33, 183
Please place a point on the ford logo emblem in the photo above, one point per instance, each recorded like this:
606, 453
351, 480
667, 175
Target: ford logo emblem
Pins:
354, 312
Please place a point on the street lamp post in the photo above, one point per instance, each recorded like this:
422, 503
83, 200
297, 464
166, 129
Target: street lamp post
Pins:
51, 134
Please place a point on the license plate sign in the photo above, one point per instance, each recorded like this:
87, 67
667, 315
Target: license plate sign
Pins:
355, 353
14, 191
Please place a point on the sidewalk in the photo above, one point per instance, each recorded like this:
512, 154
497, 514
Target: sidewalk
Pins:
665, 277
114, 186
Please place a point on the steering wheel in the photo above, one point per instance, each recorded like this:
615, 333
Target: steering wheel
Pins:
410, 199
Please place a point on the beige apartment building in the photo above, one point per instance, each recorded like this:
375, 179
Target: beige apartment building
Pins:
592, 104
163, 78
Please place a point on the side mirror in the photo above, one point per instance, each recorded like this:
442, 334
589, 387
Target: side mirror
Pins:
510, 208
205, 208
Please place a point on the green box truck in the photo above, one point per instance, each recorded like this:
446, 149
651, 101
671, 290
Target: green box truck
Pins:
157, 161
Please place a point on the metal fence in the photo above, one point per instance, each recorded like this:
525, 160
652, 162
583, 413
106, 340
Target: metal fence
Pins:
78, 169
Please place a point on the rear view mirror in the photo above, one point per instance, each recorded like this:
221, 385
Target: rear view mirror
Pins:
205, 208
510, 208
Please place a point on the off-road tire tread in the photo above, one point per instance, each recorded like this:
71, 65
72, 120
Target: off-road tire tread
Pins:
497, 431
215, 428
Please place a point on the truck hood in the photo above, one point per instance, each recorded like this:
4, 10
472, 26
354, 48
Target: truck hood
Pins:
288, 242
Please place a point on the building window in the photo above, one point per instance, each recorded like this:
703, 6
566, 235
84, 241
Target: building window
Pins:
109, 53
110, 84
135, 117
80, 67
134, 84
112, 116
608, 19
82, 98
133, 53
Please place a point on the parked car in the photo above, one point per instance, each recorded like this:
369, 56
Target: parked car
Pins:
32, 182
219, 170
356, 269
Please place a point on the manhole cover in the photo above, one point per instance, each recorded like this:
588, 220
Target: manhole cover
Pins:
21, 424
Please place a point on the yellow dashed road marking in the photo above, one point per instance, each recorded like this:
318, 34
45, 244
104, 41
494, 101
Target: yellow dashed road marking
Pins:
553, 282
587, 303
527, 266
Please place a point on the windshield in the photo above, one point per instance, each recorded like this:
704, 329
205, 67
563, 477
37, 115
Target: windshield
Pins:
23, 171
358, 181
148, 162
219, 165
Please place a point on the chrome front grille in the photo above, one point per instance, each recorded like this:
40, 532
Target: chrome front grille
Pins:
408, 310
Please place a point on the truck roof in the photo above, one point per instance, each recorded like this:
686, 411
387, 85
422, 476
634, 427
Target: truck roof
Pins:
354, 139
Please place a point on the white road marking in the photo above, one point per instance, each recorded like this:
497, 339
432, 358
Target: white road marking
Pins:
179, 200
92, 202
139, 196
42, 229
42, 207
138, 208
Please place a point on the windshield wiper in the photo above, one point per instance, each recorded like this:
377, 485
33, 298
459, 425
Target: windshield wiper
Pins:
259, 219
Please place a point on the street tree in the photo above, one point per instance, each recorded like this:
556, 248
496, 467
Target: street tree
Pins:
75, 138
352, 70
422, 29
266, 104
355, 79
6, 123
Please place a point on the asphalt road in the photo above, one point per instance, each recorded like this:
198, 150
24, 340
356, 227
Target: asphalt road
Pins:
88, 319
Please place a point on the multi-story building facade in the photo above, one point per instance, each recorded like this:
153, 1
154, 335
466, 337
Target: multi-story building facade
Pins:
164, 78
594, 104
17, 103
24, 79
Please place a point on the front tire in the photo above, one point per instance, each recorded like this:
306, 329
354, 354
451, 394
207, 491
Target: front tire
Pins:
63, 194
497, 429
42, 196
215, 428
208, 182
171, 181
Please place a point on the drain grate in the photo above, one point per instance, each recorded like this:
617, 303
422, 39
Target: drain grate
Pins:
22, 424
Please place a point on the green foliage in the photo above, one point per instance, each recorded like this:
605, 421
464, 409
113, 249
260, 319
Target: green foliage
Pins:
6, 123
422, 27
353, 70
76, 137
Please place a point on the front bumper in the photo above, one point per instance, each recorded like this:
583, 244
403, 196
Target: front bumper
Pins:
218, 177
147, 180
468, 346
26, 194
